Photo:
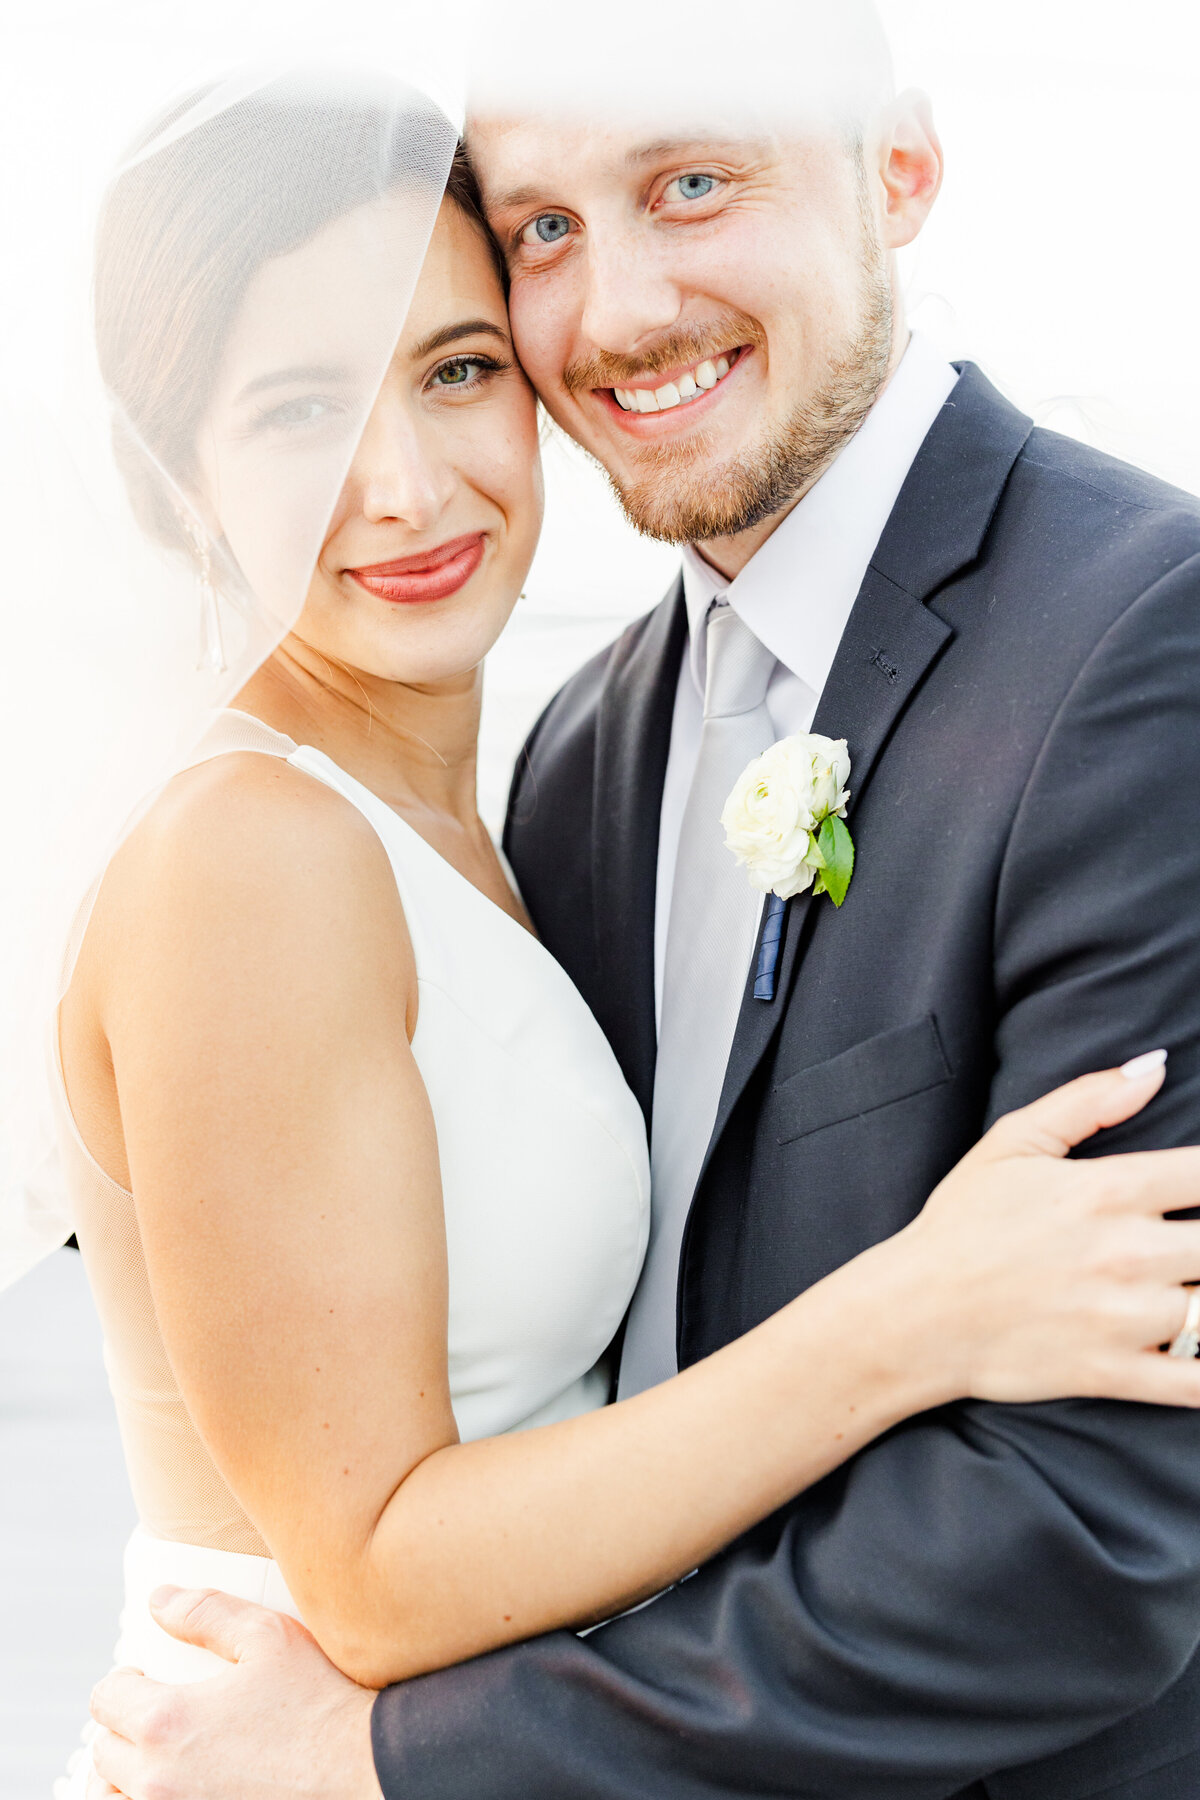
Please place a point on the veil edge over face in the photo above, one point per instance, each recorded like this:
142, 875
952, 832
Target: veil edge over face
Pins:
166, 519
163, 536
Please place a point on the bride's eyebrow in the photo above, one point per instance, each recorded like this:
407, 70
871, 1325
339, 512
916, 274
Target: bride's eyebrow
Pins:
452, 334
292, 377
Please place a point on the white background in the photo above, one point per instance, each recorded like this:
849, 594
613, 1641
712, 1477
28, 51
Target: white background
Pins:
1062, 256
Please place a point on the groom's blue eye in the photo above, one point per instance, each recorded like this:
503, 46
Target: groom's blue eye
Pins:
547, 228
693, 187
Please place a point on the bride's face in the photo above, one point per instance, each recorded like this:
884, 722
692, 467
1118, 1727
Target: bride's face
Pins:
437, 519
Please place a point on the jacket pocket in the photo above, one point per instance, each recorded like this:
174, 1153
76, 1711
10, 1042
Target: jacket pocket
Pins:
878, 1072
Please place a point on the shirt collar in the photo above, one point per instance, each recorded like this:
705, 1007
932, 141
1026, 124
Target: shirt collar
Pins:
797, 590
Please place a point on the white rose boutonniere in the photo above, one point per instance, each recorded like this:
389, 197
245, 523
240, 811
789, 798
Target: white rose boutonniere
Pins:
784, 820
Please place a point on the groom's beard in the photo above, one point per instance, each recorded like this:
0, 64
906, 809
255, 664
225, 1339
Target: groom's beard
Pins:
681, 495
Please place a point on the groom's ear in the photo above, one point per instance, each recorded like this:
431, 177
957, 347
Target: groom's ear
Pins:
906, 154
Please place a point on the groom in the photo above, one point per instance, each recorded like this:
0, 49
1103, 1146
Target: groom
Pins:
999, 1603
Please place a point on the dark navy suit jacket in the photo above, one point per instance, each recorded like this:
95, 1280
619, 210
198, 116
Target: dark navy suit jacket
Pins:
993, 1601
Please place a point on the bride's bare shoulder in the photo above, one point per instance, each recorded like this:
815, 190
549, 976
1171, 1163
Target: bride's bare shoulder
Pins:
244, 815
245, 850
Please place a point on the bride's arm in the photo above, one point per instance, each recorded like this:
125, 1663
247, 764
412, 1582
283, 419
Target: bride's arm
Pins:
258, 996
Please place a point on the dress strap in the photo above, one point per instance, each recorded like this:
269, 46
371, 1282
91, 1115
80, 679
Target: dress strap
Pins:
232, 730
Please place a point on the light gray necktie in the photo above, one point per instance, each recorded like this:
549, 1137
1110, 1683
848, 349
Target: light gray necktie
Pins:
710, 940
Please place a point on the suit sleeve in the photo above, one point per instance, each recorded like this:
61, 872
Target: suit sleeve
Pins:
987, 1585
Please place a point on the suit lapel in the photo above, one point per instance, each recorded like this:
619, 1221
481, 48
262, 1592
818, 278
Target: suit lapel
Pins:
890, 644
892, 639
632, 741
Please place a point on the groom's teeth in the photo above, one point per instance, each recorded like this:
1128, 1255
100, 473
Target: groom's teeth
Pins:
690, 385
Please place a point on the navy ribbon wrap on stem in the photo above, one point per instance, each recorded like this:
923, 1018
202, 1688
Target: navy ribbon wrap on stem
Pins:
770, 946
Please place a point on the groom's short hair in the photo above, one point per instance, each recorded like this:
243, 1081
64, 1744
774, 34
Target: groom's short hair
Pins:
803, 63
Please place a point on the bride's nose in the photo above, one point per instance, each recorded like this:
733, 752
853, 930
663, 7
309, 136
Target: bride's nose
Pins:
398, 470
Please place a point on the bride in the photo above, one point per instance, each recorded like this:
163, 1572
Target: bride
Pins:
360, 1189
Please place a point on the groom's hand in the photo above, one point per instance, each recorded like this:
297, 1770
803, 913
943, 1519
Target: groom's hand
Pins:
281, 1724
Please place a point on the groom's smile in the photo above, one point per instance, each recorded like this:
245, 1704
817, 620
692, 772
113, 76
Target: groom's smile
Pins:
683, 387
674, 385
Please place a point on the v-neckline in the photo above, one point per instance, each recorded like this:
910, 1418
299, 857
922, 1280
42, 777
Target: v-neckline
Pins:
310, 750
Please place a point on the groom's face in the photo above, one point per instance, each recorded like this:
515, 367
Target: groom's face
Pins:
711, 317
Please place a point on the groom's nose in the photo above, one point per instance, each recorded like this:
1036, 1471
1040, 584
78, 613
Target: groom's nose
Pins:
630, 295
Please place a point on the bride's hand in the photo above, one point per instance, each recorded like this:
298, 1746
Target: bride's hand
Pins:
1062, 1278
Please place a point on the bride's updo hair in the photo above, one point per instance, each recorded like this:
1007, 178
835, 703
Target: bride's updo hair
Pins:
196, 211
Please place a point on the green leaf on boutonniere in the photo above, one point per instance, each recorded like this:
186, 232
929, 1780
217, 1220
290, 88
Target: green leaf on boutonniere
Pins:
837, 848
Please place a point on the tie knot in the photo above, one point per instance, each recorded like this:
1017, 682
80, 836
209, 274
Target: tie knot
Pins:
738, 666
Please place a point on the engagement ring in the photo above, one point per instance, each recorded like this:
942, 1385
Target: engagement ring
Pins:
1187, 1344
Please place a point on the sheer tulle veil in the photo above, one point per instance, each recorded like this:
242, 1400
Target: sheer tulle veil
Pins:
159, 531
160, 528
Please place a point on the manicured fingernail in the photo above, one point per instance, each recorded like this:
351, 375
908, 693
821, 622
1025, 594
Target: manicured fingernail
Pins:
1142, 1066
162, 1596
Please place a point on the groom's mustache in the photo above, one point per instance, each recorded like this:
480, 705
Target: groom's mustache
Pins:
676, 350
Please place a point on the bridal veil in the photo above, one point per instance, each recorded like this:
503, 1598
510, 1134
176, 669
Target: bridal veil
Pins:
160, 530
299, 193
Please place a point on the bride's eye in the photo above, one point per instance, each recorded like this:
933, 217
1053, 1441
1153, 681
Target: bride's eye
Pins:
290, 415
456, 374
547, 228
692, 186
464, 372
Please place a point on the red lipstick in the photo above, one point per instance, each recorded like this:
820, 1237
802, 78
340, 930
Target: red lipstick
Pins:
432, 576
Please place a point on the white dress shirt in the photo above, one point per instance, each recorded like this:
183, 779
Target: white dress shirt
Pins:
797, 591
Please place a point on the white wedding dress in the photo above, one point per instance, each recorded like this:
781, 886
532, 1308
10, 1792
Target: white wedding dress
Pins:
545, 1179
